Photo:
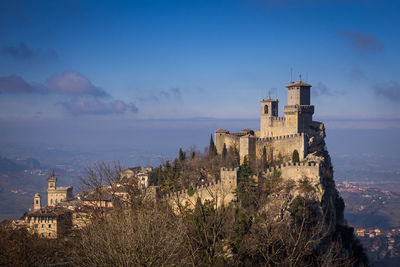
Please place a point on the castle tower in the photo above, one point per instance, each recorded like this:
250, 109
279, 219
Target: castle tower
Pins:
52, 180
51, 189
37, 202
298, 111
269, 111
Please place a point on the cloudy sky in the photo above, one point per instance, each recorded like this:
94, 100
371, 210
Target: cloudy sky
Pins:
155, 60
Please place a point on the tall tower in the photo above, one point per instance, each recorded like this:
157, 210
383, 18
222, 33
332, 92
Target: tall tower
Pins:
269, 110
298, 111
52, 180
37, 202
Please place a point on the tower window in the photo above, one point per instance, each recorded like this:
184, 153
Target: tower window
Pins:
37, 201
265, 109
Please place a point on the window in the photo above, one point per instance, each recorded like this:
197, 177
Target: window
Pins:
49, 225
265, 109
37, 201
49, 234
51, 201
42, 225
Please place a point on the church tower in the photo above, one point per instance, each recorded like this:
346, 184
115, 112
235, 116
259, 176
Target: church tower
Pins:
298, 111
269, 111
52, 180
37, 202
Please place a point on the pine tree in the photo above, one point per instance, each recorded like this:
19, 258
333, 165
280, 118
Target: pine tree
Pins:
295, 156
224, 151
237, 156
246, 188
212, 149
182, 155
264, 154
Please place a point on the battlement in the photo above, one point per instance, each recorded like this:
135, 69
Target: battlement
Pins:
278, 118
229, 169
289, 136
292, 164
299, 108
290, 170
184, 193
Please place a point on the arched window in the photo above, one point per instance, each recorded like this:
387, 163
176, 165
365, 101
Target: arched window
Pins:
266, 109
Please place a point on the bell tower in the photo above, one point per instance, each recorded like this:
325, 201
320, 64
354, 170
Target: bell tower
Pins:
37, 202
269, 110
52, 180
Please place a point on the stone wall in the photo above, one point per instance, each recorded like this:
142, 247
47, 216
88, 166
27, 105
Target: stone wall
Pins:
222, 192
285, 145
230, 139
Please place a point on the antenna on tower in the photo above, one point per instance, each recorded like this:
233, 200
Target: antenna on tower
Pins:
300, 77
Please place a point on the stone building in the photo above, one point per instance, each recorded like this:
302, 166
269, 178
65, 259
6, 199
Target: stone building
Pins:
139, 175
57, 194
50, 222
278, 136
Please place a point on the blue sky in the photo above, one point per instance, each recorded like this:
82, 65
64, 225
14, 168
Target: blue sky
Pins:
136, 60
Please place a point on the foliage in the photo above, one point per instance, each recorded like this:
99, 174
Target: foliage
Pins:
182, 155
191, 191
246, 187
224, 151
212, 149
280, 158
295, 156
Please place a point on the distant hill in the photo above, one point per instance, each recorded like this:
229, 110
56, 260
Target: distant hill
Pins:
10, 165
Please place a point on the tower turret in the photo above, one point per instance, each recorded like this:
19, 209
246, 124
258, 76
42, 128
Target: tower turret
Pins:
298, 111
269, 110
37, 202
52, 180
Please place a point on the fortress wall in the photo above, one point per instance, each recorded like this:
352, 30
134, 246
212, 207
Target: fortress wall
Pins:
247, 148
281, 144
222, 192
272, 126
231, 140
296, 171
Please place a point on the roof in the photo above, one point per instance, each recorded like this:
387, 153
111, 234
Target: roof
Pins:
98, 196
298, 83
49, 211
221, 131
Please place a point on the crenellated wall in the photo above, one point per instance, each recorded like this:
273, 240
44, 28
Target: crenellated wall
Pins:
297, 171
222, 192
285, 145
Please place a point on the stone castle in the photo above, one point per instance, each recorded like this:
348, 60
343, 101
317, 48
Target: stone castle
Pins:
278, 136
275, 142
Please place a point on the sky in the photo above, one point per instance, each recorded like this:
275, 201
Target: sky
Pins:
80, 64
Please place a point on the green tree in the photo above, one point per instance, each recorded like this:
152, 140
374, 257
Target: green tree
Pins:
212, 150
237, 156
246, 188
295, 156
224, 151
182, 155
